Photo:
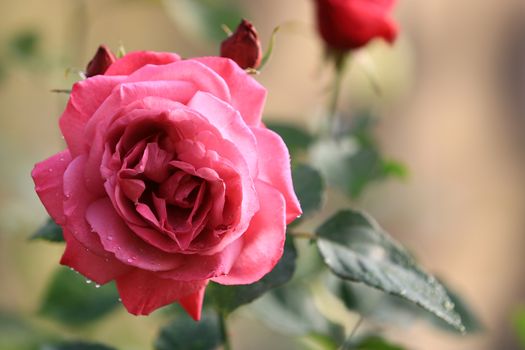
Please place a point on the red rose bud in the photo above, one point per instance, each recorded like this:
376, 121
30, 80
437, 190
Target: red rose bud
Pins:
350, 24
100, 62
243, 46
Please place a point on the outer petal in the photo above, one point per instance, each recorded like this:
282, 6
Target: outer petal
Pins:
247, 95
78, 198
274, 168
193, 71
86, 97
48, 176
136, 60
192, 303
143, 292
96, 268
263, 242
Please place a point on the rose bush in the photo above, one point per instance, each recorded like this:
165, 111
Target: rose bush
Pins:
350, 24
169, 180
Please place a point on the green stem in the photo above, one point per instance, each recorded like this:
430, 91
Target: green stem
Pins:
224, 331
340, 63
340, 60
348, 342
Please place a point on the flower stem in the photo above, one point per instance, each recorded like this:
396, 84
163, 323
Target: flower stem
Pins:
348, 342
224, 331
340, 60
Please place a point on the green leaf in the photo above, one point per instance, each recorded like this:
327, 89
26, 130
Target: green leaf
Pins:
355, 248
289, 309
24, 45
364, 167
76, 346
315, 341
72, 300
372, 342
309, 187
296, 139
519, 325
50, 231
185, 334
393, 168
387, 309
469, 319
229, 298
17, 333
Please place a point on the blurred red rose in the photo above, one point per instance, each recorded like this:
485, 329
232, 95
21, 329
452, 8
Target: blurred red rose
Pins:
169, 180
350, 24
243, 46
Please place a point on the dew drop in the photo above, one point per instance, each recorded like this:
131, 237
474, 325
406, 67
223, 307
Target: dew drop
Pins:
110, 238
120, 300
403, 292
50, 170
97, 285
88, 281
130, 260
68, 195
448, 305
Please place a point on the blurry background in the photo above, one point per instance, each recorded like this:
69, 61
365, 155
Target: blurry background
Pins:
452, 108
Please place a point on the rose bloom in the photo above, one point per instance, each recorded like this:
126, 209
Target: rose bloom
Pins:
350, 24
169, 180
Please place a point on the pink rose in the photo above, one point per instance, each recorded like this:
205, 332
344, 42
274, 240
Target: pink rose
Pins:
169, 180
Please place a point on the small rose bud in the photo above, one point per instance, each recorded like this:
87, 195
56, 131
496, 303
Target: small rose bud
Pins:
100, 62
243, 46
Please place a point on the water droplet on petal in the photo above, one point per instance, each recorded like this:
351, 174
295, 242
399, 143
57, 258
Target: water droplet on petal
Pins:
110, 238
120, 300
88, 281
97, 285
129, 260
50, 170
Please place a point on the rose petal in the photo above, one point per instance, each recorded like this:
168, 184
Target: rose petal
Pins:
48, 177
229, 123
192, 303
137, 59
192, 71
96, 268
195, 266
263, 242
143, 292
77, 200
247, 95
86, 96
117, 238
274, 168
